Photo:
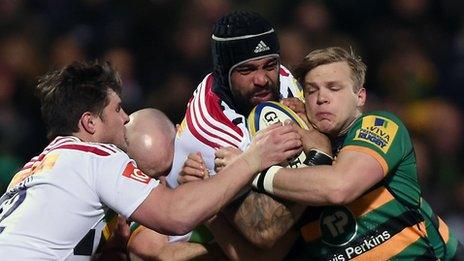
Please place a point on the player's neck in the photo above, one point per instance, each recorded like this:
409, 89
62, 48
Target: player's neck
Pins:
85, 136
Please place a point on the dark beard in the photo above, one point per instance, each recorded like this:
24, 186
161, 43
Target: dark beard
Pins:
243, 105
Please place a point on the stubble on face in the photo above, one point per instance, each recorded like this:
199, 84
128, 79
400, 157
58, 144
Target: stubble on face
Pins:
113, 127
245, 103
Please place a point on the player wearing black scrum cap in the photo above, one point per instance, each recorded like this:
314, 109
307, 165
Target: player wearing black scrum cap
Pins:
247, 71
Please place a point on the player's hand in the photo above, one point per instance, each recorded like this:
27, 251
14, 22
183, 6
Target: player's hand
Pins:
313, 139
162, 180
272, 146
224, 156
194, 169
116, 246
297, 106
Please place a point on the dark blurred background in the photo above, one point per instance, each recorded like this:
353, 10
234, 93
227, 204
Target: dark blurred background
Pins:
414, 50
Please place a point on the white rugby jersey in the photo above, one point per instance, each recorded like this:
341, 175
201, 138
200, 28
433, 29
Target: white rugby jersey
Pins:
54, 207
209, 123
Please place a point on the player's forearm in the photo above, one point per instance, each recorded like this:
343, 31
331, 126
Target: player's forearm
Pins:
315, 186
172, 251
228, 239
196, 201
182, 251
150, 245
238, 248
263, 220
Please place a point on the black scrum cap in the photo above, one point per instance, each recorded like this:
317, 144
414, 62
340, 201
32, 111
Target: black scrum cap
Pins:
238, 37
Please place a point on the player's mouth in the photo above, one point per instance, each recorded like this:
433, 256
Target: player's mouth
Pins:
323, 115
263, 96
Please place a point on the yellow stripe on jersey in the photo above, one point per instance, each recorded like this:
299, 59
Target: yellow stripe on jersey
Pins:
370, 152
20, 176
394, 245
362, 206
299, 91
443, 230
181, 128
45, 164
110, 227
251, 122
370, 201
311, 231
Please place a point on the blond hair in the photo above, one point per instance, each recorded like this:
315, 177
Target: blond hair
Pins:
332, 55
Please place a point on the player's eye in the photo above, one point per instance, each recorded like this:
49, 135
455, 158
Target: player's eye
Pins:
271, 66
310, 90
244, 70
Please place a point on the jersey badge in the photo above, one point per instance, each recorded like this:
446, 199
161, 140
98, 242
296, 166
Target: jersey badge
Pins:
136, 174
378, 131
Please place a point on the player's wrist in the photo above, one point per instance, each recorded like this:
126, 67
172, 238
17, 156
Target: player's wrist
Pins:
252, 161
264, 181
318, 157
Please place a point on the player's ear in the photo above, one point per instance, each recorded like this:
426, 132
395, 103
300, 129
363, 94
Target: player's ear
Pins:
361, 97
87, 122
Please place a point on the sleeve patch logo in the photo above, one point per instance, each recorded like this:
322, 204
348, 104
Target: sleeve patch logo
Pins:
136, 174
38, 167
378, 131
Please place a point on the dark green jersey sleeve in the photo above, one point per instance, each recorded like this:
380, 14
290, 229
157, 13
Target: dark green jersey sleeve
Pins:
382, 135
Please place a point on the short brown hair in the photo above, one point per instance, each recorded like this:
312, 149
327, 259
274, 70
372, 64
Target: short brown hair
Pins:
67, 93
332, 55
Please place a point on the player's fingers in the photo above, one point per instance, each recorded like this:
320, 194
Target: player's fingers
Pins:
196, 157
185, 179
224, 152
293, 143
189, 171
219, 162
294, 133
195, 164
162, 180
274, 129
294, 104
291, 153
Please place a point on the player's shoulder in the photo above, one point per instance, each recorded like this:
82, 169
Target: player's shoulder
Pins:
380, 117
74, 145
209, 119
289, 86
379, 127
285, 72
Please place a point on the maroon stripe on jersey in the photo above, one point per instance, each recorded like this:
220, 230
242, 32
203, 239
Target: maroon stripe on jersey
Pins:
195, 133
34, 160
192, 112
108, 148
58, 141
209, 133
212, 103
85, 148
283, 72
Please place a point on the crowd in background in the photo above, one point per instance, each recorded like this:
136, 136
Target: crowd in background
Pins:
414, 50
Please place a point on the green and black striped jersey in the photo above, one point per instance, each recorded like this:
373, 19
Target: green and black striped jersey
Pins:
388, 222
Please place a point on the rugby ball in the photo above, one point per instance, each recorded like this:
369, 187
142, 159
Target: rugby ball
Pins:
268, 113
